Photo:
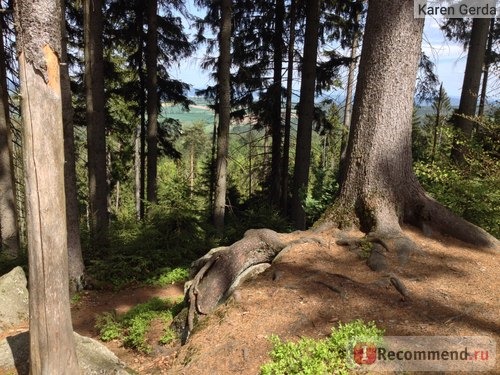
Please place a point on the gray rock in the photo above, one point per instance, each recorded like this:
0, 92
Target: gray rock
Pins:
14, 308
93, 357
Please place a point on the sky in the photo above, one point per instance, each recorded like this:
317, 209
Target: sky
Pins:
449, 58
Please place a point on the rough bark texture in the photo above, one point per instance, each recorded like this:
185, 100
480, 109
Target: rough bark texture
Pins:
224, 115
380, 188
75, 258
96, 135
306, 114
152, 99
470, 87
52, 347
9, 229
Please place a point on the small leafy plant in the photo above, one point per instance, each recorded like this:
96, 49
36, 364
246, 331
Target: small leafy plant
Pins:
132, 327
316, 357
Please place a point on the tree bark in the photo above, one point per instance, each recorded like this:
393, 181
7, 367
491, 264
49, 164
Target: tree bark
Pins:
348, 104
9, 227
96, 133
380, 190
487, 63
306, 114
470, 87
52, 347
276, 111
75, 257
224, 115
288, 112
152, 100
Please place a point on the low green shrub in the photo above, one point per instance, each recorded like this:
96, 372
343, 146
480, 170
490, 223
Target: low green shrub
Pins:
132, 327
317, 357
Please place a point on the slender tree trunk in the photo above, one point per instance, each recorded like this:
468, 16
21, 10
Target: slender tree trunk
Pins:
96, 133
52, 347
380, 190
276, 112
191, 170
348, 104
152, 100
142, 108
306, 114
137, 169
213, 156
437, 122
224, 114
487, 63
9, 228
75, 261
470, 87
288, 112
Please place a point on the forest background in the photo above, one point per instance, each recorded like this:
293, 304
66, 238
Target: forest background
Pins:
150, 237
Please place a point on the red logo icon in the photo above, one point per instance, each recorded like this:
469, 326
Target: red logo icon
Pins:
365, 353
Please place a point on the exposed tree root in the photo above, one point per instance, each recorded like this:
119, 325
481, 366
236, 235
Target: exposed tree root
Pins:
431, 216
217, 274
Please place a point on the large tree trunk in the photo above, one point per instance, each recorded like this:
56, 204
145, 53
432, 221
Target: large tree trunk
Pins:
96, 134
380, 190
75, 261
470, 87
276, 111
9, 228
224, 115
306, 115
152, 99
52, 348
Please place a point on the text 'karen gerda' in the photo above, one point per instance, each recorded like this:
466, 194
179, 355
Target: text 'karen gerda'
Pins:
479, 9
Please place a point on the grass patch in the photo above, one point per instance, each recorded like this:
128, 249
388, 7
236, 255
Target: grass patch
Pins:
168, 275
132, 327
316, 357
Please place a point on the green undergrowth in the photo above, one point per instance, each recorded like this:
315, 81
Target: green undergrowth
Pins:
331, 355
132, 327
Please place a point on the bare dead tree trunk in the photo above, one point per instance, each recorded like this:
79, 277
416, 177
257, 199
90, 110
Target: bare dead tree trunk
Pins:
75, 261
52, 347
152, 100
9, 227
306, 114
224, 115
96, 133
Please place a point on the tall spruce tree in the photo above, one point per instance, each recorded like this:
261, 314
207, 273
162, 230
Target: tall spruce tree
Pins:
380, 190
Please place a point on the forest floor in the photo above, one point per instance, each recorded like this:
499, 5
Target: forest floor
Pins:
453, 289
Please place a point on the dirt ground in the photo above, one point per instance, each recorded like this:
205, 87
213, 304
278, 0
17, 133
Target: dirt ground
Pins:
453, 290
